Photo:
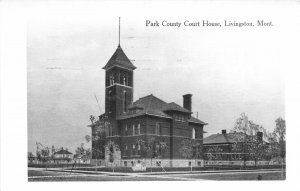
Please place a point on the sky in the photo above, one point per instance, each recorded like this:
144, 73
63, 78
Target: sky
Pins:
228, 70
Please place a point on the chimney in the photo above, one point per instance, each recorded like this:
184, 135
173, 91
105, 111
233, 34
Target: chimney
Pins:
187, 102
223, 131
259, 136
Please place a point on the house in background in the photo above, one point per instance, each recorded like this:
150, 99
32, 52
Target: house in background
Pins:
62, 156
227, 149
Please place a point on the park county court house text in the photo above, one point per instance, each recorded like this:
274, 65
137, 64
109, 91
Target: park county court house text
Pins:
129, 125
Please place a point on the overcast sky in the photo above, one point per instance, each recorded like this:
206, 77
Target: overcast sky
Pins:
228, 71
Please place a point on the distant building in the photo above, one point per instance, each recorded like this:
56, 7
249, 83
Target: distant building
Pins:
129, 125
62, 156
226, 148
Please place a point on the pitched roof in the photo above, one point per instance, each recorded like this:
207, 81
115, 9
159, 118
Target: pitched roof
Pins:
62, 151
175, 107
195, 120
120, 59
151, 105
220, 138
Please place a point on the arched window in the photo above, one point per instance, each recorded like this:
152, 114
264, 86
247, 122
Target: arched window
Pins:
193, 133
111, 79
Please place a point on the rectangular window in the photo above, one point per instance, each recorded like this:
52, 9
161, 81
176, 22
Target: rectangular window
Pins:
125, 163
193, 133
139, 129
139, 149
109, 100
158, 129
133, 130
190, 163
124, 102
125, 131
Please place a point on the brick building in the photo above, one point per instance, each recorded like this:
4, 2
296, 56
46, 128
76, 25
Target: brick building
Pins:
149, 130
228, 149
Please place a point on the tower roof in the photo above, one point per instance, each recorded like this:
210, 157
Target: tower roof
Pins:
119, 59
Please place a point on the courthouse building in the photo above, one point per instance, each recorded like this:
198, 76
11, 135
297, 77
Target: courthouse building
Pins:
148, 131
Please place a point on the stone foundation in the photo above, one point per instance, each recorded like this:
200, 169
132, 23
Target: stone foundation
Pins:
151, 163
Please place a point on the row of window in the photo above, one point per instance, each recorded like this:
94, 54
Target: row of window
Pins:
180, 117
134, 146
136, 130
120, 78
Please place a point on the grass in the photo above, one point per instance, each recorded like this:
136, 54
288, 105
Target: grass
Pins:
237, 176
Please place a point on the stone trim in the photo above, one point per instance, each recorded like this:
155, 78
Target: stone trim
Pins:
152, 135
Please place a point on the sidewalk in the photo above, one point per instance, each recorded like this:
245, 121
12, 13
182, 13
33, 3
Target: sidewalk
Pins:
151, 173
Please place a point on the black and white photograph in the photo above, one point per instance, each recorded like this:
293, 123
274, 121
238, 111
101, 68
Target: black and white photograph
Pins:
151, 92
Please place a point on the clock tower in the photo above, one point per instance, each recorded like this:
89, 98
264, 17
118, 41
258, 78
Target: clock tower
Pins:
118, 86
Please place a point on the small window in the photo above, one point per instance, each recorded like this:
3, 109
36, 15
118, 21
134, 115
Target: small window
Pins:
158, 129
158, 163
125, 163
139, 129
126, 148
133, 130
109, 100
199, 163
193, 133
133, 146
139, 147
190, 163
126, 130
124, 101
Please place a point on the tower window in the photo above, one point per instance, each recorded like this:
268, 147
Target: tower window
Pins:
124, 101
111, 80
109, 100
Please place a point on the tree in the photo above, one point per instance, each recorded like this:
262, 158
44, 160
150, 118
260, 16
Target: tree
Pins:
45, 153
30, 157
190, 149
153, 147
279, 134
247, 141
